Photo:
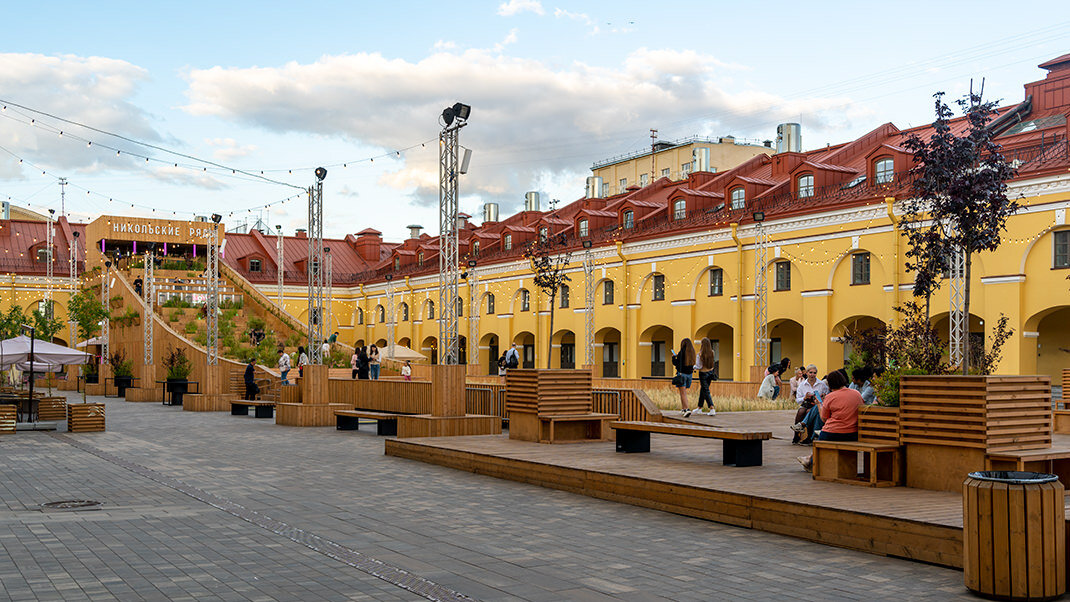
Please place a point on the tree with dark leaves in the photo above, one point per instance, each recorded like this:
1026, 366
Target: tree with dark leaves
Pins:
959, 201
549, 260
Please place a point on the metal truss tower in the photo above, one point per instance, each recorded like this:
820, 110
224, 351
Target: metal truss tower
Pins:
959, 320
391, 315
148, 300
328, 275
73, 271
212, 303
50, 235
105, 301
588, 311
448, 270
761, 297
281, 265
316, 272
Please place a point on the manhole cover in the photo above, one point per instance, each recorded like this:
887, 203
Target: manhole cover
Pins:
71, 505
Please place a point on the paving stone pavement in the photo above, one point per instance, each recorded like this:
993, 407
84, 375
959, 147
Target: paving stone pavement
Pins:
208, 506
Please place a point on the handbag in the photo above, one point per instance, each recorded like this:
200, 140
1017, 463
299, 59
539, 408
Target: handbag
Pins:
678, 380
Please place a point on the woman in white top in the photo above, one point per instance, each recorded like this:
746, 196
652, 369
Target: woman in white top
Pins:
302, 359
769, 384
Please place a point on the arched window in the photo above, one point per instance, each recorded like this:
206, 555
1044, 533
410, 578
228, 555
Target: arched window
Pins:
805, 186
739, 198
525, 300
360, 316
508, 244
490, 304
583, 227
475, 248
404, 312
563, 294
430, 310
679, 209
629, 219
885, 170
381, 312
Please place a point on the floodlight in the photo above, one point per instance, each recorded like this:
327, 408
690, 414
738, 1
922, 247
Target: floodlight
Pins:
107, 263
471, 263
51, 211
75, 233
216, 218
586, 244
389, 277
759, 216
321, 173
462, 111
279, 228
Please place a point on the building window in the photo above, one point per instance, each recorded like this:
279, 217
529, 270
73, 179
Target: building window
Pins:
508, 242
360, 316
665, 172
42, 255
564, 296
806, 186
685, 168
254, 265
568, 356
716, 282
644, 179
420, 259
885, 170
460, 307
475, 248
623, 184
659, 287
629, 219
860, 268
490, 304
1062, 249
430, 310
583, 228
679, 209
783, 276
382, 313
397, 263
404, 312
607, 293
739, 198
525, 300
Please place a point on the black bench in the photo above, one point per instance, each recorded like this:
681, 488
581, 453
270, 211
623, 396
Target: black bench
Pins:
741, 448
262, 409
386, 424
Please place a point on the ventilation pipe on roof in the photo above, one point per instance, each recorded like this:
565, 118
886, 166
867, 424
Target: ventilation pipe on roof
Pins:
414, 230
490, 212
594, 187
5, 208
789, 138
700, 159
531, 201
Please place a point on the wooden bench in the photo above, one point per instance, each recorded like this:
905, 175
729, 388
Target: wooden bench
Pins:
574, 427
837, 461
741, 448
1053, 460
386, 423
261, 409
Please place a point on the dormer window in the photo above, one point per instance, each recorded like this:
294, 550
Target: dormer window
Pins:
629, 219
475, 249
583, 228
254, 265
397, 263
739, 198
420, 259
679, 210
805, 186
543, 234
885, 170
508, 244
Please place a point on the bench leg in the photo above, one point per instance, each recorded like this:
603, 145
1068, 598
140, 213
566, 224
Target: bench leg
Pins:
347, 423
386, 428
632, 442
265, 411
237, 409
742, 453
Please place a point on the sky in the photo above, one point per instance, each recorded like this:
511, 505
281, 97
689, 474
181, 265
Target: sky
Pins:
196, 108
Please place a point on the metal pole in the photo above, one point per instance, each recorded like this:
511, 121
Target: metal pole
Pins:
315, 271
50, 233
959, 321
448, 270
761, 326
328, 267
149, 291
588, 312
281, 264
473, 315
105, 300
71, 323
212, 302
391, 315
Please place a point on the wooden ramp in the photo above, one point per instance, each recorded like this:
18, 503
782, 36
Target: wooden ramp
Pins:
685, 476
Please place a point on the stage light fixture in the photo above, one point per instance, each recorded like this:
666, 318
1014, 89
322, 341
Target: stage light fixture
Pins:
321, 173
216, 218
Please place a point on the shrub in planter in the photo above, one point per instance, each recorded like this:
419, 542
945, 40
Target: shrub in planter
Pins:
122, 370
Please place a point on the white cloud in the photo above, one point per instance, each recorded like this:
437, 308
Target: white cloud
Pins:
92, 90
510, 38
512, 7
185, 177
228, 148
529, 118
444, 45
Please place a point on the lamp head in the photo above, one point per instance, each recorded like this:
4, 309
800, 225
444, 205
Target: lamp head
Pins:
389, 277
51, 211
759, 216
586, 244
471, 263
76, 233
278, 228
216, 218
321, 173
107, 263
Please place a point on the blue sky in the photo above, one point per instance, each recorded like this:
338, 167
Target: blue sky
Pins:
554, 87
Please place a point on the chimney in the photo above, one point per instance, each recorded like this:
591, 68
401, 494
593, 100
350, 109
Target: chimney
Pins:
594, 187
490, 212
414, 230
789, 138
531, 201
368, 243
301, 233
700, 159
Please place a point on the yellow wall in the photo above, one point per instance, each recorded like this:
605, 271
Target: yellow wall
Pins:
724, 155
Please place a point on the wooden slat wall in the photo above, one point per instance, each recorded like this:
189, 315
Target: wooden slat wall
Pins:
548, 392
8, 418
52, 408
307, 414
994, 413
878, 424
447, 426
1066, 384
403, 397
85, 417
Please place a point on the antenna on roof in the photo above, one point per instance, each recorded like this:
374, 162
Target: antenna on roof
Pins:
653, 145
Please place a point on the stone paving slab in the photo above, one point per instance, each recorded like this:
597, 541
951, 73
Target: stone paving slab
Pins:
478, 536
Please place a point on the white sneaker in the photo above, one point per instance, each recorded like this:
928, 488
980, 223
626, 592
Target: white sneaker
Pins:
798, 427
712, 412
686, 413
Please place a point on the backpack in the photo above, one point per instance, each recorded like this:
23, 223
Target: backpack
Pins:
512, 362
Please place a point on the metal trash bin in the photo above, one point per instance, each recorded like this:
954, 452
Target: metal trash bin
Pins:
1014, 535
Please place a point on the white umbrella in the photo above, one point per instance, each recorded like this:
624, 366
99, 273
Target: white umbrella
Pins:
17, 351
92, 341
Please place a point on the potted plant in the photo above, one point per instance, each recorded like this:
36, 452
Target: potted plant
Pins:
178, 370
122, 370
91, 373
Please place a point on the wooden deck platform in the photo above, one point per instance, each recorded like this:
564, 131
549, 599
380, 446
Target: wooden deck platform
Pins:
685, 476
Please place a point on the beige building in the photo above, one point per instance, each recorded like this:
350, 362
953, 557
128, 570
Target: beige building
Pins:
673, 160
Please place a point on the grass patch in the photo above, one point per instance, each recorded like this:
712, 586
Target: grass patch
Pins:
669, 399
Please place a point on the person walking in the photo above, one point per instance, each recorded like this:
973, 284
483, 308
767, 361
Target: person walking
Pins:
502, 363
512, 357
684, 362
251, 389
406, 370
706, 366
284, 365
373, 362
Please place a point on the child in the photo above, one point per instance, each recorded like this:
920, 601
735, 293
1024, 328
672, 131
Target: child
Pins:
406, 370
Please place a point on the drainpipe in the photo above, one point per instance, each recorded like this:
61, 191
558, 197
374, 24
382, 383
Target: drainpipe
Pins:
624, 332
737, 346
412, 327
889, 202
363, 305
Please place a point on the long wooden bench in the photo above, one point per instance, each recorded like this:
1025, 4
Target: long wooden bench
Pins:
741, 447
837, 461
386, 423
261, 409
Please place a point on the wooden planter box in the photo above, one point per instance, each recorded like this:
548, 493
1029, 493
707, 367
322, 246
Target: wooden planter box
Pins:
879, 424
52, 409
85, 417
950, 423
8, 417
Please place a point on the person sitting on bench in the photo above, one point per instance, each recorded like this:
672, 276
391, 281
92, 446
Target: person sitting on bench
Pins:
839, 410
251, 389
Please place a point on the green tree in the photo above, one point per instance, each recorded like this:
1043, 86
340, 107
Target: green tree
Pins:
85, 309
11, 322
548, 260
